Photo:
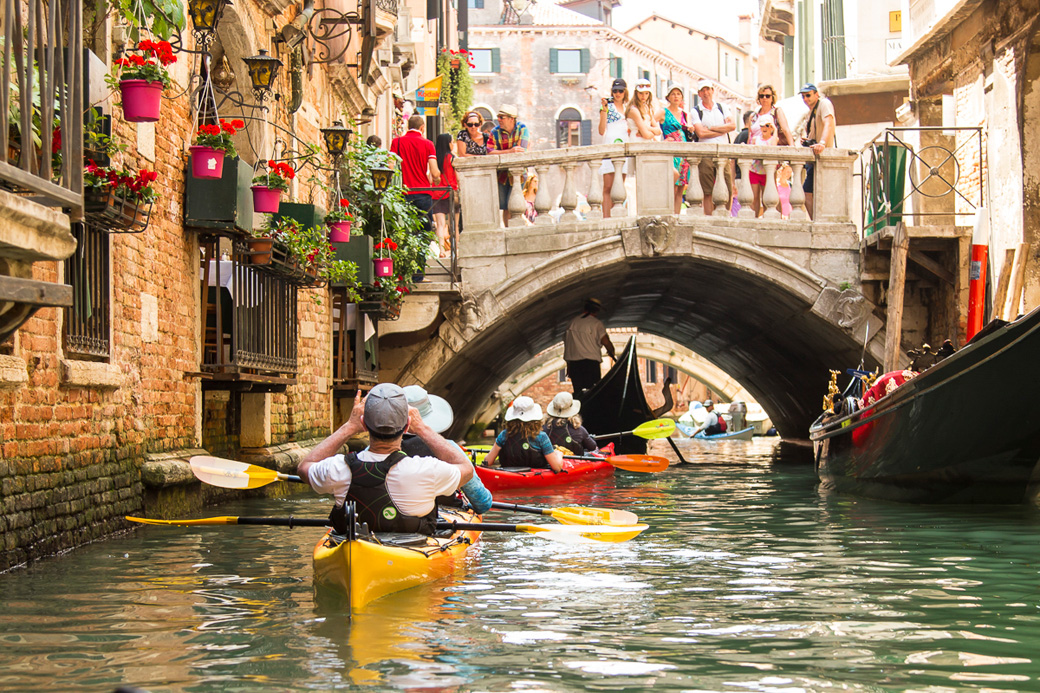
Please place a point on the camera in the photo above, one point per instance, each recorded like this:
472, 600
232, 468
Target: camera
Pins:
806, 142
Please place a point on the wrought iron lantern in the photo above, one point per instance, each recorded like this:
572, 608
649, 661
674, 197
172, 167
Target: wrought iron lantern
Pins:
205, 14
381, 178
335, 138
263, 69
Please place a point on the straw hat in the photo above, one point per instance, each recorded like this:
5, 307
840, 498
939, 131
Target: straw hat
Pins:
563, 405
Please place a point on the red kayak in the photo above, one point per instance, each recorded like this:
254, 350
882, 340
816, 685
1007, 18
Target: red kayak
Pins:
504, 478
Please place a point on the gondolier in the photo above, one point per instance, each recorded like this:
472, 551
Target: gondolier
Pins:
582, 344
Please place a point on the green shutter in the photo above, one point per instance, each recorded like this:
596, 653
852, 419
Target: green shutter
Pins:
586, 61
620, 68
496, 59
586, 133
613, 66
554, 61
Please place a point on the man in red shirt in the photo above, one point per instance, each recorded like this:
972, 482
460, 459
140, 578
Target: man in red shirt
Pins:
418, 156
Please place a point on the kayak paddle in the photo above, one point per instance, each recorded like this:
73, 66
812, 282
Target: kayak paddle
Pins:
576, 515
630, 463
658, 428
565, 533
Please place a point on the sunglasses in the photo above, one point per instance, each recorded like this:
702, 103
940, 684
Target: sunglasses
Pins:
617, 91
765, 96
473, 125
806, 94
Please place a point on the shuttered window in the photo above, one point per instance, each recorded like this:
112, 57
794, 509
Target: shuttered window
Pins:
486, 60
569, 61
616, 67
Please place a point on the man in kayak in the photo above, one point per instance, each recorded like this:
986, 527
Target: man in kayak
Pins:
393, 492
582, 344
713, 425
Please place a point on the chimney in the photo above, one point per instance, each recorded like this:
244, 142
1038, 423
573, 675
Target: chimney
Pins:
745, 31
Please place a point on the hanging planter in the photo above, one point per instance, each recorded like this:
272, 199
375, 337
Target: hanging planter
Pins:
141, 100
383, 266
338, 220
266, 200
339, 231
206, 162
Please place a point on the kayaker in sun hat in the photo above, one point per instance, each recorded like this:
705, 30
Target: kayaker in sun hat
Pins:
437, 414
393, 492
523, 443
564, 425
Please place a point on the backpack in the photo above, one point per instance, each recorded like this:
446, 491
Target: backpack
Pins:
700, 112
722, 424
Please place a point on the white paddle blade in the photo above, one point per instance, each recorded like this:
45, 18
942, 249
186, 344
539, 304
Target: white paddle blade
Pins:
574, 534
217, 471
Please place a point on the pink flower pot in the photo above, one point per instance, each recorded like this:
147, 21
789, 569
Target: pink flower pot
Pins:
265, 200
141, 100
384, 267
206, 162
339, 232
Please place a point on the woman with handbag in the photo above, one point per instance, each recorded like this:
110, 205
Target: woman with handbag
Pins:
782, 131
673, 125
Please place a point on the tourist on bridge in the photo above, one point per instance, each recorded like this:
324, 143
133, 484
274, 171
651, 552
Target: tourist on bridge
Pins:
674, 127
394, 492
564, 425
819, 135
642, 122
713, 424
614, 128
582, 344
767, 107
471, 140
418, 158
763, 136
443, 204
717, 126
509, 137
523, 443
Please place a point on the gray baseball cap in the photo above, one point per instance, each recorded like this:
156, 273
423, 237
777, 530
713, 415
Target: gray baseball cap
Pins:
386, 409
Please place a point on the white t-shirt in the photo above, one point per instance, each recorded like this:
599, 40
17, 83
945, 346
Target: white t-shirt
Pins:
414, 483
583, 339
711, 119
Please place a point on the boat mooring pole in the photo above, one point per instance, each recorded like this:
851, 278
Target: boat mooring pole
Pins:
896, 284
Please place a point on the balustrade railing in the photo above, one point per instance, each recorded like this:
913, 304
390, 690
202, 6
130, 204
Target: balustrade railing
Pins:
563, 172
41, 101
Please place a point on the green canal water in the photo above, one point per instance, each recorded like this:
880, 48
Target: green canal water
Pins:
749, 579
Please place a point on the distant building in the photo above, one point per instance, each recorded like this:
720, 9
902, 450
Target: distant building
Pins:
555, 62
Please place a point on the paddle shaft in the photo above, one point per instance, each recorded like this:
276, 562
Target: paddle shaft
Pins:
521, 508
675, 448
291, 522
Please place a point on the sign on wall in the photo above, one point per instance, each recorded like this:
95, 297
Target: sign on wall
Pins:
427, 98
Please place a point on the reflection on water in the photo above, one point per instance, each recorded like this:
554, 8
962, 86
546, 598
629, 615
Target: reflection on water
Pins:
748, 580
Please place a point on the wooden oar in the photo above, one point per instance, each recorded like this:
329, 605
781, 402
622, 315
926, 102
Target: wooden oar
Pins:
576, 515
630, 463
658, 428
217, 471
566, 533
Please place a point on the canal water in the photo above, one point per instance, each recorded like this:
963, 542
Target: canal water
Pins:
749, 579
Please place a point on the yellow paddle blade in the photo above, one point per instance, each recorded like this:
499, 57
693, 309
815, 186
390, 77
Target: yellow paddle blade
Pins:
217, 471
579, 533
225, 520
639, 463
658, 428
594, 516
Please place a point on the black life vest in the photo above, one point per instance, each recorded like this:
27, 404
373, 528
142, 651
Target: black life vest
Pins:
375, 505
718, 428
520, 452
560, 436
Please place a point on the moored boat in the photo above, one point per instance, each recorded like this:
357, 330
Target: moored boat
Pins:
617, 403
935, 439
365, 569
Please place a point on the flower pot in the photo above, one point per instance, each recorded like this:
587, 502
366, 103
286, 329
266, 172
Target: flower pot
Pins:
339, 231
455, 63
265, 199
383, 266
206, 162
260, 250
141, 100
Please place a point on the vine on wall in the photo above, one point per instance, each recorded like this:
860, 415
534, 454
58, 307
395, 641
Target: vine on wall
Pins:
456, 87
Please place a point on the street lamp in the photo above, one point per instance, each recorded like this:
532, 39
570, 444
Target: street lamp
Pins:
335, 138
263, 69
205, 14
381, 178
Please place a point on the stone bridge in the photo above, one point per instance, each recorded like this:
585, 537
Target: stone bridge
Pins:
771, 303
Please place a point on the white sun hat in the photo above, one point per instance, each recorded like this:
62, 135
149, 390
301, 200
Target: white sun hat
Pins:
524, 409
435, 411
563, 405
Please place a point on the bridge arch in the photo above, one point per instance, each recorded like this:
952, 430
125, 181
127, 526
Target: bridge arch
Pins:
765, 320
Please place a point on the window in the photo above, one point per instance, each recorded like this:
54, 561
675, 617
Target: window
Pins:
487, 115
725, 64
651, 371
736, 68
561, 375
569, 61
616, 67
670, 373
88, 272
476, 4
571, 129
486, 60
662, 86
643, 74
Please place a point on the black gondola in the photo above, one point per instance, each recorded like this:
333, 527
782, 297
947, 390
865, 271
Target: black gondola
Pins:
966, 430
617, 403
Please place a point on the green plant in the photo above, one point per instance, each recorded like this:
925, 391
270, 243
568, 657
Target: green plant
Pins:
148, 63
130, 185
339, 212
309, 248
277, 177
219, 136
167, 16
456, 87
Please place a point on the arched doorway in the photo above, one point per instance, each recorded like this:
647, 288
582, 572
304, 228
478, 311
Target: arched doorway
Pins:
571, 130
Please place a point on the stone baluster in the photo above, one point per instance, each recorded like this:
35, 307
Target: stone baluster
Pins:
720, 193
542, 198
617, 190
569, 198
517, 204
595, 196
694, 192
770, 195
745, 196
797, 193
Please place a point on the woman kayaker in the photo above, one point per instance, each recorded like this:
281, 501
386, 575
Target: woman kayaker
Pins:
524, 443
564, 425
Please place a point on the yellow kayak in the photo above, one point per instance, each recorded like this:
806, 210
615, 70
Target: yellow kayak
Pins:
367, 569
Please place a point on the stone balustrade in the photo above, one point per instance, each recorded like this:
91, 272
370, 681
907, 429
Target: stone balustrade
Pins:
561, 172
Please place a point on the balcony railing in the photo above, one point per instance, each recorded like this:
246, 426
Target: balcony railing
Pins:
562, 173
41, 101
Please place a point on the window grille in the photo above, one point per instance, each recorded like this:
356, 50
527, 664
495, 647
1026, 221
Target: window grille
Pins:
88, 272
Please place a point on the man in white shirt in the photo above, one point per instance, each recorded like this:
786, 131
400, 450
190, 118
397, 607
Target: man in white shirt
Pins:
392, 491
717, 125
582, 344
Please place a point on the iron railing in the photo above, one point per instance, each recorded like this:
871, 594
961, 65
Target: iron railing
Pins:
898, 178
41, 101
448, 264
86, 321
